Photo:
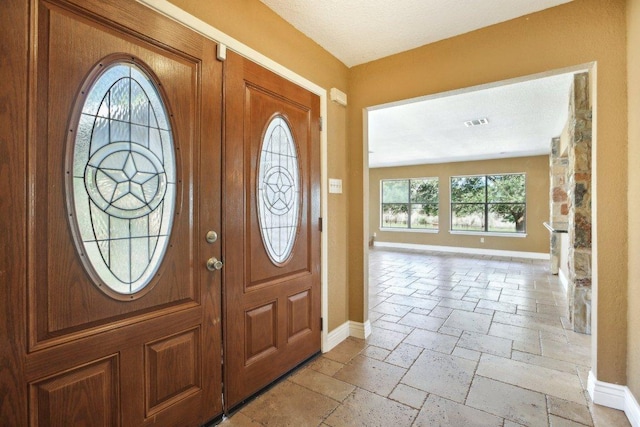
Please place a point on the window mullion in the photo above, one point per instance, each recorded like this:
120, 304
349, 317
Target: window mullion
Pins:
408, 203
486, 203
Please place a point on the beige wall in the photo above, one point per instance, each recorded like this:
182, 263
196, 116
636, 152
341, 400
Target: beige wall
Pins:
255, 25
574, 33
633, 69
537, 175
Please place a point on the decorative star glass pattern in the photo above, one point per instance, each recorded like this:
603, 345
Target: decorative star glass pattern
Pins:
278, 198
123, 180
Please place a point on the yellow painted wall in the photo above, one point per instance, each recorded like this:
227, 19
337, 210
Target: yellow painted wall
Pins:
537, 175
255, 25
574, 33
633, 69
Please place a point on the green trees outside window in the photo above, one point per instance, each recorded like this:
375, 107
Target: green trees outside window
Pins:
410, 203
489, 203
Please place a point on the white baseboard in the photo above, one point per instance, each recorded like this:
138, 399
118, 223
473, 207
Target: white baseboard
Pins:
360, 330
456, 249
336, 336
632, 409
347, 329
614, 396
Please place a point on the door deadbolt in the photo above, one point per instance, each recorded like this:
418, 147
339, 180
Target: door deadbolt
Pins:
214, 264
211, 236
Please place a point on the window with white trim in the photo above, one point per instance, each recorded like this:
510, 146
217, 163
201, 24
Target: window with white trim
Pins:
489, 203
409, 203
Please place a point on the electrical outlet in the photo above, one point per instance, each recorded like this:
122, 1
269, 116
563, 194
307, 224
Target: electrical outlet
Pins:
482, 240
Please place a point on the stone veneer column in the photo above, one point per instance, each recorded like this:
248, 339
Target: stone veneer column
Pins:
580, 205
559, 206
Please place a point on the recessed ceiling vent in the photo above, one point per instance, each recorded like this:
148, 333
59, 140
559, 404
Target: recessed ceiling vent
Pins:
476, 122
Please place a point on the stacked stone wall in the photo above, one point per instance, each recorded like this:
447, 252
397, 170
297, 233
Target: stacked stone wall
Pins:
579, 195
559, 199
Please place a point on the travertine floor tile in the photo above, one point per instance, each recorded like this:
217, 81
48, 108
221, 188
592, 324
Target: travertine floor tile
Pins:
457, 304
363, 408
485, 344
430, 323
570, 353
413, 302
346, 350
439, 412
547, 362
508, 401
484, 294
404, 355
392, 325
532, 377
467, 354
569, 410
496, 306
514, 332
239, 420
374, 352
468, 321
325, 365
441, 374
528, 322
372, 375
408, 396
323, 384
396, 290
393, 309
296, 406
556, 421
608, 417
385, 338
531, 347
431, 340
457, 340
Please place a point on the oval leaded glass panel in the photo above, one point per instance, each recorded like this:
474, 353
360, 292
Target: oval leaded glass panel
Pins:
123, 179
278, 191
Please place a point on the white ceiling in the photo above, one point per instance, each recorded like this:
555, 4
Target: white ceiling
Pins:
523, 117
359, 31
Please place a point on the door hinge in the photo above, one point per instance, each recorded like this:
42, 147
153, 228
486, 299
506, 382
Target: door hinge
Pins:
321, 324
320, 120
320, 224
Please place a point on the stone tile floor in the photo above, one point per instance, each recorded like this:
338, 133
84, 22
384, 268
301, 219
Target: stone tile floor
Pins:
457, 340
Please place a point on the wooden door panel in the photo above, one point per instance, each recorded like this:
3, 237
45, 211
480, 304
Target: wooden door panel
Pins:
261, 331
260, 107
272, 304
96, 357
60, 281
87, 395
172, 369
299, 312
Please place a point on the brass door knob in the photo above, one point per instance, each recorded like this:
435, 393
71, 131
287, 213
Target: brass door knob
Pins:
214, 264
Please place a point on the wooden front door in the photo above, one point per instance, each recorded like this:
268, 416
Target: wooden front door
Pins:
124, 182
271, 220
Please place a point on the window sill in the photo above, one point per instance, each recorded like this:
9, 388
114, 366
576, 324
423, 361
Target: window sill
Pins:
487, 233
410, 230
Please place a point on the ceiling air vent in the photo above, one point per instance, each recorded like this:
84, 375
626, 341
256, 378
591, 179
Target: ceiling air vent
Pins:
476, 122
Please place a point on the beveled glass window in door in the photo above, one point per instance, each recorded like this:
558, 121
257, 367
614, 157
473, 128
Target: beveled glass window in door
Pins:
278, 196
124, 179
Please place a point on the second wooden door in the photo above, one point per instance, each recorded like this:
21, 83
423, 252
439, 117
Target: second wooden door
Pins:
271, 220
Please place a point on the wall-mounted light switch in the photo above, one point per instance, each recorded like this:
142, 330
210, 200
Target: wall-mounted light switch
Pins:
335, 185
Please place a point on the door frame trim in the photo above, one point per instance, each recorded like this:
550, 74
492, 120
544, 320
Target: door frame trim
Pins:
201, 27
